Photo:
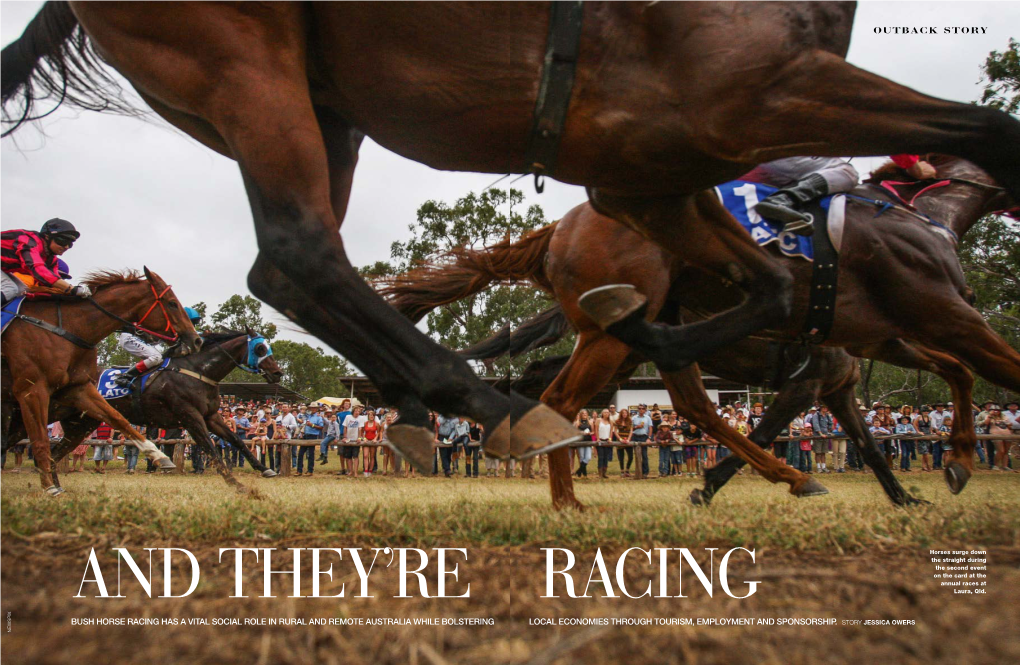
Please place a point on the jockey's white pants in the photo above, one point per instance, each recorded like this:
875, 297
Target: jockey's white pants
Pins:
838, 173
150, 355
11, 287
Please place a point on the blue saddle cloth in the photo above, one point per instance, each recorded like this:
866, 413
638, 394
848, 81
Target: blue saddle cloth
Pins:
10, 310
740, 197
110, 390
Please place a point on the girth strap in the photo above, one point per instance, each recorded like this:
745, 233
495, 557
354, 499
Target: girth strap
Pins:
824, 273
56, 330
555, 88
195, 375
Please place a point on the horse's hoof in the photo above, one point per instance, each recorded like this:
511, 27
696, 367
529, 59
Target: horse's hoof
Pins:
811, 488
165, 463
269, 473
611, 304
54, 491
700, 498
956, 476
414, 444
539, 431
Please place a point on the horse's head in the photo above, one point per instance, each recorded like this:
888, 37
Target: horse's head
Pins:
166, 317
260, 357
958, 195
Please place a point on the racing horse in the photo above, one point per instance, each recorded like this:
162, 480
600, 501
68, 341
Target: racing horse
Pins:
49, 355
619, 97
185, 393
899, 277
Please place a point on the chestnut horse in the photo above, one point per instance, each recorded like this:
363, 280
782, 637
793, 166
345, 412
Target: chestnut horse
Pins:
899, 277
185, 394
661, 104
42, 370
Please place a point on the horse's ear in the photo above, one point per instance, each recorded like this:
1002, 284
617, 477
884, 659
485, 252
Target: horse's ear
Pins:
250, 332
148, 274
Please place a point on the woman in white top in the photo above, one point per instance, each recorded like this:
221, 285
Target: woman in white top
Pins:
604, 430
352, 434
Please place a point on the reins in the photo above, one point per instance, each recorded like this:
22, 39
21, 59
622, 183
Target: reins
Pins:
138, 325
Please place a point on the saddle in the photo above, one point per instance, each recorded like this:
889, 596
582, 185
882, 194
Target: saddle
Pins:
109, 389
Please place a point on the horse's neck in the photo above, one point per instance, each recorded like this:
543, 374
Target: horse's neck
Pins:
957, 206
124, 300
218, 360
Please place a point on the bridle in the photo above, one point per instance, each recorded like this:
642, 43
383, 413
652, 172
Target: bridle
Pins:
890, 186
247, 366
138, 327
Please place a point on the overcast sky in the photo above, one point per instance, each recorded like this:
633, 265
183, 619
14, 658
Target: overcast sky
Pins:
142, 193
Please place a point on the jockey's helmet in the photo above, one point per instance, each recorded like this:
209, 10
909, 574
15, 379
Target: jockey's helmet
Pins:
193, 314
59, 227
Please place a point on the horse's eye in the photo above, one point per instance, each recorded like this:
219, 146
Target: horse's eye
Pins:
261, 350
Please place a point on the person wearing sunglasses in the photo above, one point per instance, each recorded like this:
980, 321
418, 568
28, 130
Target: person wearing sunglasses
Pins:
28, 259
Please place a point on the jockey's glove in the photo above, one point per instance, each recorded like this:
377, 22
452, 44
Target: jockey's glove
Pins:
81, 290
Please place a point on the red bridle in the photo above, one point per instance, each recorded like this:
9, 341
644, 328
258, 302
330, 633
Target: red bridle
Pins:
169, 324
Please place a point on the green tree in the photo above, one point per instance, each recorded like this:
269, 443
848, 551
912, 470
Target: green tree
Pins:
310, 370
241, 312
110, 354
476, 221
1001, 74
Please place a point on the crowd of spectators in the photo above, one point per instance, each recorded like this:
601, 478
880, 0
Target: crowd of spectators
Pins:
356, 434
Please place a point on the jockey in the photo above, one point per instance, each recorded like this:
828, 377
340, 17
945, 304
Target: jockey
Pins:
803, 179
800, 179
28, 258
150, 355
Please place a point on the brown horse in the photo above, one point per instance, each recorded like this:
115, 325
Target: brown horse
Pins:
40, 366
880, 298
651, 122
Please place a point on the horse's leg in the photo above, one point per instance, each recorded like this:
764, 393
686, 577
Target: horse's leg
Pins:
34, 400
87, 398
195, 424
689, 398
219, 428
712, 240
960, 466
795, 396
595, 360
75, 431
844, 407
819, 104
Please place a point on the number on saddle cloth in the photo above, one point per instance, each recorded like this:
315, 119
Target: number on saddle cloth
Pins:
110, 389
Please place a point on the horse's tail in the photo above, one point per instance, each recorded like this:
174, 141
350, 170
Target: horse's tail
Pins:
541, 330
463, 272
54, 60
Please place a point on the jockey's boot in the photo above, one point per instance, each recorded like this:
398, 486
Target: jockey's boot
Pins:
781, 207
124, 379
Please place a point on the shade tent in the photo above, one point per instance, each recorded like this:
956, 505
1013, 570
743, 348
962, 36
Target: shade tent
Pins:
336, 401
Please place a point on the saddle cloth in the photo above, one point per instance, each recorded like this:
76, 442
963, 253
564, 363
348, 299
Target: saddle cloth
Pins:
110, 390
9, 311
740, 197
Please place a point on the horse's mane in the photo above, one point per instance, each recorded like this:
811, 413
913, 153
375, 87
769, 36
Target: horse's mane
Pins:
889, 170
100, 278
221, 336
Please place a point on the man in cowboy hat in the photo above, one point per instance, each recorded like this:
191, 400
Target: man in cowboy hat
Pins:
1012, 416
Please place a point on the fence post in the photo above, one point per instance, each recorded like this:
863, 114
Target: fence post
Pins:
285, 458
179, 456
639, 471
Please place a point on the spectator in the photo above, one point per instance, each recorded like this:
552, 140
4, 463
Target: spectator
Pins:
446, 433
259, 438
624, 431
692, 436
470, 452
923, 424
103, 453
792, 457
584, 426
998, 426
664, 439
77, 457
389, 459
370, 433
1012, 416
640, 433
904, 426
676, 449
604, 430
312, 427
352, 437
242, 426
332, 434
757, 414
806, 446
945, 429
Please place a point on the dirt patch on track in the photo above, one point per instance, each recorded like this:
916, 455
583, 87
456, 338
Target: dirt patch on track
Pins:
42, 573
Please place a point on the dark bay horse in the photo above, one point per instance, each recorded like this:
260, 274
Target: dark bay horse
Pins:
661, 108
185, 394
899, 277
43, 371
